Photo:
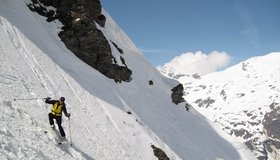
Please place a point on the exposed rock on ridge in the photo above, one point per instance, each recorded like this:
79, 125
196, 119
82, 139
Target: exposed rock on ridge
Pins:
177, 94
159, 153
81, 35
271, 123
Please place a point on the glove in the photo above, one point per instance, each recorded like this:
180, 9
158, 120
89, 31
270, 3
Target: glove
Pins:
68, 115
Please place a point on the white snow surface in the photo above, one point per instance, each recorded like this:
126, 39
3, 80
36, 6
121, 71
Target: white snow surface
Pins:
34, 63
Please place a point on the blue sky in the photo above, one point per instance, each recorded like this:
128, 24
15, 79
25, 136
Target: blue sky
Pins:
163, 29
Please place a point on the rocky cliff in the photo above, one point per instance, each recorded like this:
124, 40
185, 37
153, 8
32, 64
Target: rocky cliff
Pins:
80, 34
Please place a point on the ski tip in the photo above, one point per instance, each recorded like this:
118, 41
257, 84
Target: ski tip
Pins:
60, 143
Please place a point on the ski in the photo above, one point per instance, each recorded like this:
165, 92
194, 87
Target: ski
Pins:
57, 138
62, 142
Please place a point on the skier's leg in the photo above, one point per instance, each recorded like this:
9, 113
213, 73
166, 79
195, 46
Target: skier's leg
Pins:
51, 119
58, 120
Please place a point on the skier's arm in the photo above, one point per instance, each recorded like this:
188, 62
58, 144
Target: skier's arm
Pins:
65, 111
49, 101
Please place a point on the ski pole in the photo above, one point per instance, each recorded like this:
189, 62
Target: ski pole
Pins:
26, 99
70, 139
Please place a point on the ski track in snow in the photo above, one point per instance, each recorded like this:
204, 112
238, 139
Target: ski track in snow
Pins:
20, 114
28, 57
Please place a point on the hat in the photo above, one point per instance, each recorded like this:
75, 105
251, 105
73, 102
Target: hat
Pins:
62, 99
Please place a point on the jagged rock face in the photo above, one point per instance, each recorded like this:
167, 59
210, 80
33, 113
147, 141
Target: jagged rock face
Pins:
177, 94
81, 35
159, 153
271, 123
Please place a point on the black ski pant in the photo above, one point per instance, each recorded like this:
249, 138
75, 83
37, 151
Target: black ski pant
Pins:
58, 121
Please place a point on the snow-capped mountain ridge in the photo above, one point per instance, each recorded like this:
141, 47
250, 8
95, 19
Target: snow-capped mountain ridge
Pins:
239, 100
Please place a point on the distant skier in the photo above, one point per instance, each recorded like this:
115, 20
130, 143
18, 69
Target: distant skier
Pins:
56, 113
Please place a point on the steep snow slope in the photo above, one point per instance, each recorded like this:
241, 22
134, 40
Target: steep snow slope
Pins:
240, 100
26, 72
35, 63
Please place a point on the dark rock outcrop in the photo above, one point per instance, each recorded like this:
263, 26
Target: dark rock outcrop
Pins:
271, 123
81, 35
160, 153
205, 103
196, 76
177, 94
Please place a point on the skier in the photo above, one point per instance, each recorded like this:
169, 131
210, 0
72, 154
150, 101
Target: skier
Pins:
56, 113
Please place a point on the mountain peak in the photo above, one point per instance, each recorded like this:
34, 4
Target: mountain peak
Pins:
243, 101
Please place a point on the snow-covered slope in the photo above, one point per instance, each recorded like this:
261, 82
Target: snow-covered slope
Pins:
109, 120
240, 101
